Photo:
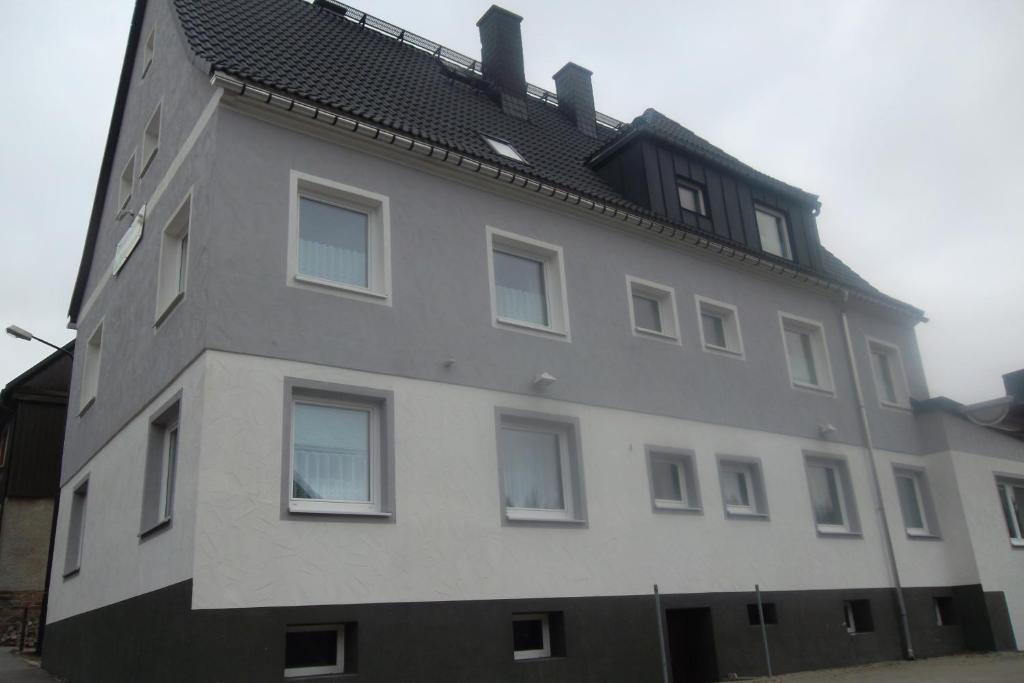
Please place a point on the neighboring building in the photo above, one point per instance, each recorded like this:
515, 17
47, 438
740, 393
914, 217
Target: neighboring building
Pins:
396, 366
33, 412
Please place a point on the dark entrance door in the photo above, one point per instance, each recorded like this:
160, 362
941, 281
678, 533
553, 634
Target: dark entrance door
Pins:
691, 645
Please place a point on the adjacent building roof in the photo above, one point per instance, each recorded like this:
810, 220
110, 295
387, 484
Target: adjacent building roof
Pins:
340, 58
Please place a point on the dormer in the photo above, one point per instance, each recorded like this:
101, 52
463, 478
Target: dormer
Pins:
665, 168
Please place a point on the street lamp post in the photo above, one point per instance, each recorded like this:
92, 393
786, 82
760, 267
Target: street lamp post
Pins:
21, 333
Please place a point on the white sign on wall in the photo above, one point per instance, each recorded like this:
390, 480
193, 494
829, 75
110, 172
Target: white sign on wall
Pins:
126, 245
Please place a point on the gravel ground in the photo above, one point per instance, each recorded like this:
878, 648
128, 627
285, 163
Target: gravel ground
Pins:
1000, 667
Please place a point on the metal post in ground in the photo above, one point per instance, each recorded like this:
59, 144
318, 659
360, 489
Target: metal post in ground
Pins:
661, 635
764, 629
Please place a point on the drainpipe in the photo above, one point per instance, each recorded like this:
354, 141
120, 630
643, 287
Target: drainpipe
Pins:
879, 502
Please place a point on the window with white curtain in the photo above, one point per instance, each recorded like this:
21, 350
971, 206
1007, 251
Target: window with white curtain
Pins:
831, 491
340, 239
539, 469
527, 284
806, 353
743, 490
774, 232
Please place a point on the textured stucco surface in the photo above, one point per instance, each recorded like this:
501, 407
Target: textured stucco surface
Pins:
449, 542
25, 543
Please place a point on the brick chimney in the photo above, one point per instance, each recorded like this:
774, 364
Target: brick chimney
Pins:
502, 57
576, 97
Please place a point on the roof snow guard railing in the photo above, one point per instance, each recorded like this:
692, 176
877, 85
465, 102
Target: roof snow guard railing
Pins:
451, 57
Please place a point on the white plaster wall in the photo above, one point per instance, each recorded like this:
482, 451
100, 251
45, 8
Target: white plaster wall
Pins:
115, 565
449, 543
1001, 565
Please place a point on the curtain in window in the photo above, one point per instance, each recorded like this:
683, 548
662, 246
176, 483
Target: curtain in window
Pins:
909, 503
519, 288
666, 481
734, 485
801, 357
332, 453
714, 330
531, 469
333, 242
647, 313
825, 495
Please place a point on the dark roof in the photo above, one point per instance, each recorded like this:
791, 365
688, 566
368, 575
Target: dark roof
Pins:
316, 53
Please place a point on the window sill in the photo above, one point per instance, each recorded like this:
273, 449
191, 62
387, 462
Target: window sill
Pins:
533, 520
838, 533
741, 514
71, 573
147, 162
155, 529
817, 389
668, 506
530, 327
1017, 543
327, 509
656, 335
901, 407
169, 308
723, 351
88, 404
340, 287
922, 536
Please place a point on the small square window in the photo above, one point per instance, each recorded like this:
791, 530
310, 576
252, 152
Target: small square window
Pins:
504, 149
944, 613
527, 284
887, 370
774, 232
536, 636
150, 141
172, 274
340, 239
742, 487
832, 499
652, 310
691, 197
339, 451
857, 616
148, 50
1011, 498
314, 650
127, 184
915, 502
540, 472
719, 327
161, 468
76, 529
754, 614
673, 479
806, 353
91, 369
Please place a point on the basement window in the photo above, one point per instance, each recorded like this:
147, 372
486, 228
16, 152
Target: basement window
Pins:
770, 616
857, 616
503, 148
537, 636
314, 650
944, 614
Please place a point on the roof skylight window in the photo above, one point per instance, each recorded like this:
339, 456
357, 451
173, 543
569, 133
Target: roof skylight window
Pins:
505, 149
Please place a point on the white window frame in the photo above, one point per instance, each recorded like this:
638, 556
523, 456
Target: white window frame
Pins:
665, 297
684, 462
91, 369
844, 489
787, 247
545, 514
322, 506
73, 564
148, 51
151, 142
504, 148
850, 617
545, 651
921, 492
168, 465
819, 352
378, 262
1004, 487
730, 317
556, 300
753, 481
126, 186
698, 189
899, 378
172, 272
337, 668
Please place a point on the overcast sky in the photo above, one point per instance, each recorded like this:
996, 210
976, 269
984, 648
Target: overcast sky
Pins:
906, 117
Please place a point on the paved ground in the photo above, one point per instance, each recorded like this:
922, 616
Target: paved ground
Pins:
1002, 667
15, 669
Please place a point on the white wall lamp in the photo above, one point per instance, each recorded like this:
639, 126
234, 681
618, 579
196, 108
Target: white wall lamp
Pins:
544, 379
